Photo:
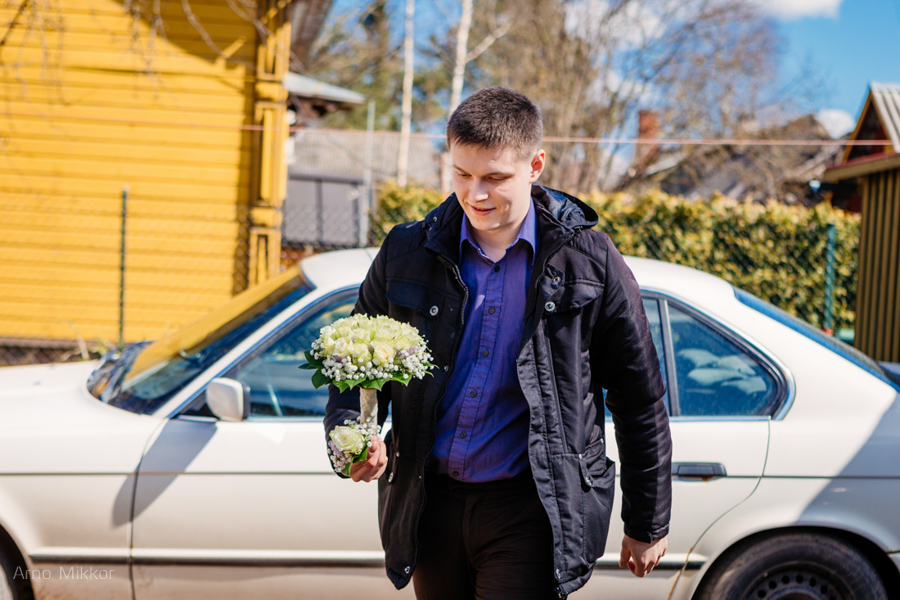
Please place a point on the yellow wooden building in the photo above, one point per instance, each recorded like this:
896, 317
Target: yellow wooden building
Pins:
177, 106
872, 172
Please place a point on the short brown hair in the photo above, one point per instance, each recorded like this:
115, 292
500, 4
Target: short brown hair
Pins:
497, 117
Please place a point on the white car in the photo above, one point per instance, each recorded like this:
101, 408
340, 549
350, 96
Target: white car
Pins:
195, 466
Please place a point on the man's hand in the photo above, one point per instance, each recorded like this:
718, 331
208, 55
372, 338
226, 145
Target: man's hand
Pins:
373, 466
641, 557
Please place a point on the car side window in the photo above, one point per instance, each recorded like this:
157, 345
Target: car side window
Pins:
278, 386
716, 377
651, 307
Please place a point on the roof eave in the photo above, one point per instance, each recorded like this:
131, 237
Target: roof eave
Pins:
307, 87
861, 167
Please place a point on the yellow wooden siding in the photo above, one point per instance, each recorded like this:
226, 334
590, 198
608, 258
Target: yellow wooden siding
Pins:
87, 108
878, 292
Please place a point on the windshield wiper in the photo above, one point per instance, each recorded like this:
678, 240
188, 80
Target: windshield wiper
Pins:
116, 374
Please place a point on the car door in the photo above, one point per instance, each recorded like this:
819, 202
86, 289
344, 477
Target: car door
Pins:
252, 509
721, 394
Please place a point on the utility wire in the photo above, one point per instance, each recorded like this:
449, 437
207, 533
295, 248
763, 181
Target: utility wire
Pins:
588, 140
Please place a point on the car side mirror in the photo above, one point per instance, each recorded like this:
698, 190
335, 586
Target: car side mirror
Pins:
225, 398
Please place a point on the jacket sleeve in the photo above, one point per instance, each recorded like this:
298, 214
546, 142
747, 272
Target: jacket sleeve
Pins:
371, 301
629, 370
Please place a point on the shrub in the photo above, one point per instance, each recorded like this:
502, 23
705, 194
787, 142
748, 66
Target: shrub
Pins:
774, 251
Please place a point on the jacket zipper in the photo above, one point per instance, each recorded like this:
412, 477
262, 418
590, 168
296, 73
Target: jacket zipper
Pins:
462, 324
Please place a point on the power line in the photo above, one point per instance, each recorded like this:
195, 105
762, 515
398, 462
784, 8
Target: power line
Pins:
586, 140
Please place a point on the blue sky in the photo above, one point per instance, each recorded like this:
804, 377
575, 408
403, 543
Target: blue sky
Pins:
847, 43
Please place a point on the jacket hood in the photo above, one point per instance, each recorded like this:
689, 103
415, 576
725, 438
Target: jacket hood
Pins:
566, 214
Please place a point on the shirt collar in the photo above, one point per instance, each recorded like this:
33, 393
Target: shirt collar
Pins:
527, 232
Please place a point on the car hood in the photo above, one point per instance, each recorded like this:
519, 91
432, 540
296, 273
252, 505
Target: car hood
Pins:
49, 423
43, 378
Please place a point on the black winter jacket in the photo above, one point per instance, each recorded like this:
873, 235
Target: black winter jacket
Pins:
585, 329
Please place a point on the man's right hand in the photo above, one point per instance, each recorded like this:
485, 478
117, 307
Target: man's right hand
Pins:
373, 467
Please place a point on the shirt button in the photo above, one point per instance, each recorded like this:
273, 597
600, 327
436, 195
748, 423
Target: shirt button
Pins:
491, 310
456, 473
550, 307
462, 435
496, 268
473, 393
434, 311
484, 352
407, 570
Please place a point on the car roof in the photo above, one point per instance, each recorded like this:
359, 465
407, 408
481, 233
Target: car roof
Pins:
343, 268
339, 268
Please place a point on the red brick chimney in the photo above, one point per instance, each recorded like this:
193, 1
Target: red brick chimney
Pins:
648, 129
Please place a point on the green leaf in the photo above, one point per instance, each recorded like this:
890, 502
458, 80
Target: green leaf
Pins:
311, 361
361, 457
318, 379
375, 384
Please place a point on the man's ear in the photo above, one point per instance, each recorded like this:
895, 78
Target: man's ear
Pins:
537, 165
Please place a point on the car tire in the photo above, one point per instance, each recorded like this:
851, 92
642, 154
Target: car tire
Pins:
796, 566
12, 587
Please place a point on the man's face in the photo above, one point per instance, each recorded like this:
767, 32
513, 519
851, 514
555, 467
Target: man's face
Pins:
493, 186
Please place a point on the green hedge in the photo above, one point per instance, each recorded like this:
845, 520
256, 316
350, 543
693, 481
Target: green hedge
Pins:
775, 251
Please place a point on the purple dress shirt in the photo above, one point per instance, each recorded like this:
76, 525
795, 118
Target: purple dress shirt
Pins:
482, 420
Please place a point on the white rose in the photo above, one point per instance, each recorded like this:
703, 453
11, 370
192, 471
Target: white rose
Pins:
342, 348
347, 439
361, 334
383, 353
326, 345
360, 352
405, 343
326, 332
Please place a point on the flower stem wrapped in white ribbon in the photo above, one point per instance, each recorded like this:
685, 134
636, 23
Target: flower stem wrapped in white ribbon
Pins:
365, 352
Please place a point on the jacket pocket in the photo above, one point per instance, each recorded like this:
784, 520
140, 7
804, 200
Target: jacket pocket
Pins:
598, 476
566, 292
426, 301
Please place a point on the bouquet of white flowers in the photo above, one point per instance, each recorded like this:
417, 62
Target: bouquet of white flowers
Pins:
365, 352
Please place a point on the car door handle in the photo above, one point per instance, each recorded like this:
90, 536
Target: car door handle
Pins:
698, 470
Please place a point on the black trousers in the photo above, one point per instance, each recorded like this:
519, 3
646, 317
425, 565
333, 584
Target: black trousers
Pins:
485, 541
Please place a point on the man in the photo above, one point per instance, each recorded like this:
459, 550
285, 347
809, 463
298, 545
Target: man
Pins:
493, 480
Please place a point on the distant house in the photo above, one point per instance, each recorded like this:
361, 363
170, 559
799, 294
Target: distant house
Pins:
182, 112
328, 203
870, 175
737, 170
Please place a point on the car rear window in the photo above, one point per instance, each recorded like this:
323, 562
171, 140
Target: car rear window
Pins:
820, 337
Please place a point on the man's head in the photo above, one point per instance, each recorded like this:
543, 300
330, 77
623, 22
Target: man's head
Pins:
495, 140
497, 117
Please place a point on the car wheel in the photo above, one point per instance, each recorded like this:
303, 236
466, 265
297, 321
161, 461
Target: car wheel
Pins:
11, 587
799, 566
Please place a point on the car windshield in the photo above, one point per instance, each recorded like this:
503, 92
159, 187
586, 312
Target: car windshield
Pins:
820, 337
145, 375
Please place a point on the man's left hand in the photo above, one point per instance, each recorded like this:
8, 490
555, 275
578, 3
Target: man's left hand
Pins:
641, 557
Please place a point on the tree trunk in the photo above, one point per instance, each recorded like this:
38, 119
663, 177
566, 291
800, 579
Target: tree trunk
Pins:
405, 125
459, 75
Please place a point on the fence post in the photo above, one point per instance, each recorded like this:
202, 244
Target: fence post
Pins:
828, 320
122, 270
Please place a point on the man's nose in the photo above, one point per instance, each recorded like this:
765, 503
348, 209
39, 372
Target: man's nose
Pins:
479, 190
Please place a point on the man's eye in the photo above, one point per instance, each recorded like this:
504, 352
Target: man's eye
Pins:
498, 179
458, 174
